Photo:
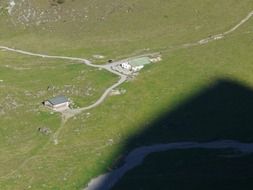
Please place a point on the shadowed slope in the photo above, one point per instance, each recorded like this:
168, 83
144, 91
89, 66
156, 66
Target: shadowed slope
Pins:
221, 111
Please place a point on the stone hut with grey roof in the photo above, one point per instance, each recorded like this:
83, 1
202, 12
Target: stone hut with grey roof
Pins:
58, 103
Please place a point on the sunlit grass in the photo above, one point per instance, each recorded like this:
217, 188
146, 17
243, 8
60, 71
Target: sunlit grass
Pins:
92, 141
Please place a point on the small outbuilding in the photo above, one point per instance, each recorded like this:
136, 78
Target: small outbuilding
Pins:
59, 103
126, 65
139, 61
136, 64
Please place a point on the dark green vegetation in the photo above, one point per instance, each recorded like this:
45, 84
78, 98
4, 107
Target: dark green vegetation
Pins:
219, 72
191, 169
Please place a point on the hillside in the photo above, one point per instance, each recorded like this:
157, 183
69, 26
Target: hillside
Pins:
200, 91
115, 28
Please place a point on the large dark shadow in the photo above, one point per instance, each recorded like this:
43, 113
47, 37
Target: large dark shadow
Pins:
222, 111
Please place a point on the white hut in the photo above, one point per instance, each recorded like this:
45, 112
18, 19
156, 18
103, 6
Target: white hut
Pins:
126, 65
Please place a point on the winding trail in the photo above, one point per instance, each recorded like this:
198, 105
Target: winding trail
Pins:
239, 24
70, 113
87, 62
122, 78
136, 157
212, 37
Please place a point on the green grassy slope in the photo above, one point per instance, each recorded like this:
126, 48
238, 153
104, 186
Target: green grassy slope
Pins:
25, 83
128, 27
90, 143
85, 151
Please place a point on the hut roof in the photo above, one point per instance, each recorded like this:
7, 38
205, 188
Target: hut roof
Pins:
139, 61
58, 100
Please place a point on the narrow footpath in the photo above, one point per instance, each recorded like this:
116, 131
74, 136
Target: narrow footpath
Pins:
108, 67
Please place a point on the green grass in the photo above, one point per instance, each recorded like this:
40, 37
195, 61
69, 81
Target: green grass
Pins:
26, 82
84, 150
123, 33
46, 78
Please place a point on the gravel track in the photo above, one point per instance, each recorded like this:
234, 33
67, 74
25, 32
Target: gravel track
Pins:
136, 157
156, 148
69, 113
107, 67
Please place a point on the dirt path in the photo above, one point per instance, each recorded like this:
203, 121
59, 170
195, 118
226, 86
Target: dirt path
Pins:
87, 62
71, 113
136, 157
239, 24
222, 35
212, 37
